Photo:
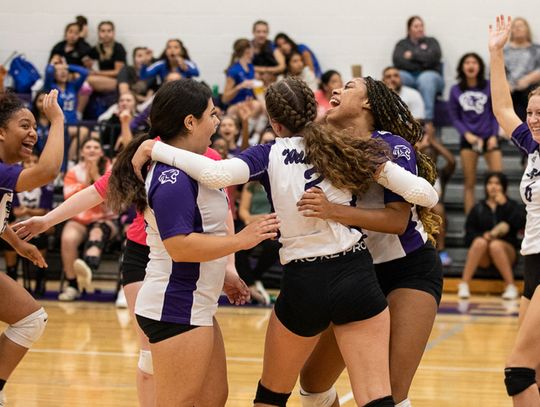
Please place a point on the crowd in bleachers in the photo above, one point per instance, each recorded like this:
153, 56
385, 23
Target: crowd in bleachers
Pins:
106, 101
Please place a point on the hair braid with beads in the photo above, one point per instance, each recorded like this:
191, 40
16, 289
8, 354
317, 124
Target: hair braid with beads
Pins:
346, 161
391, 114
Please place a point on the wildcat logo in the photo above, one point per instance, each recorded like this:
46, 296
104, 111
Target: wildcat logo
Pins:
402, 151
473, 101
168, 176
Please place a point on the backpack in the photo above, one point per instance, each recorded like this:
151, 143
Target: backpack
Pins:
24, 74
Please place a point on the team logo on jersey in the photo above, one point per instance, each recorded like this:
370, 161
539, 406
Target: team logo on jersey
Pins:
402, 151
473, 101
168, 176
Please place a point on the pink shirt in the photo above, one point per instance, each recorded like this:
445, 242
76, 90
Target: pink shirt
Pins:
136, 231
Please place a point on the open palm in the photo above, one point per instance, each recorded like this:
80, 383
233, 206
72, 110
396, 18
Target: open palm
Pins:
498, 35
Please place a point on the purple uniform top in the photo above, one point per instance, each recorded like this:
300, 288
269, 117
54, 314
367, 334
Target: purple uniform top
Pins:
9, 174
383, 246
181, 292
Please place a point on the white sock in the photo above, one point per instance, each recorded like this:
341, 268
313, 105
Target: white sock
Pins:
404, 403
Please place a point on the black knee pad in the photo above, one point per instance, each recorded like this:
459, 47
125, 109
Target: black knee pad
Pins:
518, 379
92, 261
267, 396
387, 401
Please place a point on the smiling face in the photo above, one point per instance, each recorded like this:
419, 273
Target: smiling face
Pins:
91, 151
348, 103
260, 33
18, 136
533, 117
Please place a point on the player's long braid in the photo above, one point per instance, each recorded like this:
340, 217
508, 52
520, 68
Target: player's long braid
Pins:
391, 114
347, 162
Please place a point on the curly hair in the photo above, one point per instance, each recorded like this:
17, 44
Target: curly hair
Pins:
347, 162
391, 114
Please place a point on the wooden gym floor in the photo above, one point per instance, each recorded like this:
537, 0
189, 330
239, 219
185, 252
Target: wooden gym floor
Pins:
88, 355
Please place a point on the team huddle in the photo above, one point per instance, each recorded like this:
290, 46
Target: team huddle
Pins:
351, 205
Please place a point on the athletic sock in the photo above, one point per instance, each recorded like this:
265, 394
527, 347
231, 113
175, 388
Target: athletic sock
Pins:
2, 384
72, 282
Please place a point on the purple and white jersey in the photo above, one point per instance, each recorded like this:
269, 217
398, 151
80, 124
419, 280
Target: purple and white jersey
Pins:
9, 174
529, 188
384, 246
184, 293
37, 198
282, 169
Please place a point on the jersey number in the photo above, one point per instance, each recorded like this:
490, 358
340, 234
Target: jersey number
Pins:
307, 175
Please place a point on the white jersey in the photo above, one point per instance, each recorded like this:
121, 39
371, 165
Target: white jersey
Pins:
184, 293
529, 188
282, 169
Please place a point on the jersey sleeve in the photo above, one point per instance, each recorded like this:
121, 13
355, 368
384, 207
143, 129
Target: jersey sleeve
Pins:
522, 138
9, 175
257, 159
180, 218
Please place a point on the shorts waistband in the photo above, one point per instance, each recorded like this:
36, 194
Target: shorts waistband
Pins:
357, 247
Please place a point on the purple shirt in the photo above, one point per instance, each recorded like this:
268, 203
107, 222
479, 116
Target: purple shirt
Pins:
9, 174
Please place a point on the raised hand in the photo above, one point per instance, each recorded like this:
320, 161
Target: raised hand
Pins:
51, 108
498, 35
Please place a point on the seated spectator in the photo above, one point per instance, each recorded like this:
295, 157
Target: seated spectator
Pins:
419, 60
254, 204
295, 67
82, 22
110, 56
26, 204
115, 131
94, 226
491, 234
410, 96
240, 82
433, 148
129, 79
175, 58
74, 48
286, 45
268, 60
469, 107
229, 131
330, 80
522, 61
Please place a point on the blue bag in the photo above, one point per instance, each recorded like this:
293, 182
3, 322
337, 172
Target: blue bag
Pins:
24, 74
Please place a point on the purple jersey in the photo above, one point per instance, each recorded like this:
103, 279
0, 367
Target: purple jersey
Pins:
181, 292
383, 246
9, 174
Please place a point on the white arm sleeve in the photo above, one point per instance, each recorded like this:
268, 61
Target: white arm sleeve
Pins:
413, 189
213, 174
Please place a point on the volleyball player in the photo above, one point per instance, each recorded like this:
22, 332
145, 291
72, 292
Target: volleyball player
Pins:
26, 319
522, 364
326, 264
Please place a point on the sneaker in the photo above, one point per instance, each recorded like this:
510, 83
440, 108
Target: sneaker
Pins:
446, 260
121, 301
84, 275
69, 294
2, 399
463, 290
264, 293
510, 292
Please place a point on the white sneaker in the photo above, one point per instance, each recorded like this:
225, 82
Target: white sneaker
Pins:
84, 275
121, 301
510, 292
69, 294
264, 293
463, 290
2, 399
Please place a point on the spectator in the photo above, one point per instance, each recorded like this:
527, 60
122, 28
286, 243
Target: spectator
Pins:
110, 56
286, 45
470, 110
230, 132
240, 74
522, 62
175, 58
26, 204
410, 96
129, 79
221, 146
74, 48
94, 226
115, 123
419, 60
295, 67
268, 60
491, 234
330, 80
82, 22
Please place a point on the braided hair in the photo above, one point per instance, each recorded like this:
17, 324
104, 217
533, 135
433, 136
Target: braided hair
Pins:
346, 161
391, 114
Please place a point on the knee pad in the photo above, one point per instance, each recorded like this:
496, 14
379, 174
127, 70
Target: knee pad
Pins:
387, 401
324, 399
267, 396
92, 261
518, 379
145, 362
28, 330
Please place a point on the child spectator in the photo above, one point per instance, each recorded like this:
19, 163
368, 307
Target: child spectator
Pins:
296, 67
